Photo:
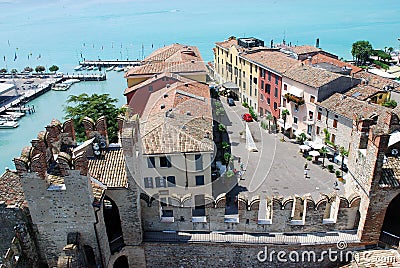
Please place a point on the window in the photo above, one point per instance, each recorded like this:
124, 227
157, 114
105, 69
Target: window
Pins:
275, 106
171, 181
160, 182
262, 73
310, 115
334, 123
251, 68
262, 97
319, 115
276, 93
255, 80
269, 76
244, 74
318, 130
312, 98
284, 87
268, 101
262, 85
200, 180
150, 88
198, 161
167, 213
244, 85
165, 161
276, 79
151, 162
309, 129
148, 182
261, 111
268, 89
296, 107
295, 119
333, 138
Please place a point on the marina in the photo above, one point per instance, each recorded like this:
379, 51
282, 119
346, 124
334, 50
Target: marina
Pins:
108, 63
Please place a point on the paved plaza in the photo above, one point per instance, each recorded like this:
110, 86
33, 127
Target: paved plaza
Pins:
277, 169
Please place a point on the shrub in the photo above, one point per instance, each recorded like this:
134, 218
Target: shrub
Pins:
229, 173
245, 105
330, 168
338, 173
252, 113
309, 157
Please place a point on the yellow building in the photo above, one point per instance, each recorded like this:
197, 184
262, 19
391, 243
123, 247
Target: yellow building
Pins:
231, 67
178, 59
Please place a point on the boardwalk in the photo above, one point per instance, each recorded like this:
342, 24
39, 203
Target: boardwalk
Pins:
109, 63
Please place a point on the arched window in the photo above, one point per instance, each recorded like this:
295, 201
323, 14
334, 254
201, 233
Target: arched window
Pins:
113, 225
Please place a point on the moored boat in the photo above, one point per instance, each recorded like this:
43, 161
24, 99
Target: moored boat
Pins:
78, 68
4, 123
15, 114
110, 68
61, 87
90, 68
119, 69
71, 81
95, 68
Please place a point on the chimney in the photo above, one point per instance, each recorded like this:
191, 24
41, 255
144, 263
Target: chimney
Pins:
309, 60
317, 43
272, 43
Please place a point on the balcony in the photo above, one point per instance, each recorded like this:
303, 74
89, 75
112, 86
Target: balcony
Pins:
291, 98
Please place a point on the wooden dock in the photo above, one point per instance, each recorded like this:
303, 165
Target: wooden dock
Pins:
85, 77
109, 63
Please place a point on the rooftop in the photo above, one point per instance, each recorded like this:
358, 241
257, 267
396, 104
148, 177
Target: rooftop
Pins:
311, 76
391, 172
376, 80
276, 61
11, 192
178, 119
152, 68
174, 52
305, 49
109, 169
362, 92
227, 44
322, 58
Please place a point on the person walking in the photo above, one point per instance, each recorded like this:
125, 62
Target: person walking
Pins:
305, 173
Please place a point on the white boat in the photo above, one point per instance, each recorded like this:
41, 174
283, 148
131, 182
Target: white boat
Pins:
8, 123
95, 68
16, 114
119, 69
110, 68
89, 68
78, 68
61, 87
71, 81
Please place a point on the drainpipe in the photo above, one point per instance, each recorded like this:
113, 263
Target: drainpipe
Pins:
97, 236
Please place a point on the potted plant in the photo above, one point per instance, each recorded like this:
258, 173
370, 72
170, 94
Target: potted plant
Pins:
309, 157
338, 174
330, 168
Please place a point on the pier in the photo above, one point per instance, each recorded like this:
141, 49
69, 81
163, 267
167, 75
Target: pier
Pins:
109, 63
85, 77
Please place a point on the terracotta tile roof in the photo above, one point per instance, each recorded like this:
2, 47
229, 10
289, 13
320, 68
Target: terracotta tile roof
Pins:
376, 80
180, 122
390, 172
351, 107
311, 76
276, 61
110, 168
362, 92
319, 58
227, 44
150, 69
11, 192
175, 52
304, 49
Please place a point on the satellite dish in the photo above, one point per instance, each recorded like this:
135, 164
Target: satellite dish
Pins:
96, 146
96, 152
395, 152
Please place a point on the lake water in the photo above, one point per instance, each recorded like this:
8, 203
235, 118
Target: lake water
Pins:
63, 32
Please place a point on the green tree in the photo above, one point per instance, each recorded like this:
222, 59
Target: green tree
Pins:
228, 158
14, 71
221, 127
54, 68
28, 69
40, 69
323, 151
285, 113
382, 55
390, 104
361, 51
93, 106
343, 152
301, 138
225, 146
3, 71
390, 50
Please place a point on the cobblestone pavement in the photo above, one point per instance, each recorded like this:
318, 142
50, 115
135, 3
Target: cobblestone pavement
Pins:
277, 169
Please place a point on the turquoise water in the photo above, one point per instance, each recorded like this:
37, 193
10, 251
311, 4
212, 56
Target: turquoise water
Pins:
60, 32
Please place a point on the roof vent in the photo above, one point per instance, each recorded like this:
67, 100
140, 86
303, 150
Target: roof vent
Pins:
165, 95
192, 61
162, 106
343, 97
168, 85
155, 76
188, 113
186, 84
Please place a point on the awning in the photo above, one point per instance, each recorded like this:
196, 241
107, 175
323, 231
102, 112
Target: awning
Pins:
394, 138
296, 91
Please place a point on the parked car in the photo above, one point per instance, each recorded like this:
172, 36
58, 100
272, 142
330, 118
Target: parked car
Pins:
230, 101
247, 117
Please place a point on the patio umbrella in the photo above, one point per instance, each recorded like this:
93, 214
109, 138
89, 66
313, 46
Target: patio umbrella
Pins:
314, 153
304, 147
317, 146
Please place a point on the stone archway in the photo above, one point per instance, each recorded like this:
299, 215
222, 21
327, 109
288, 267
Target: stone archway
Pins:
121, 262
390, 232
113, 225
